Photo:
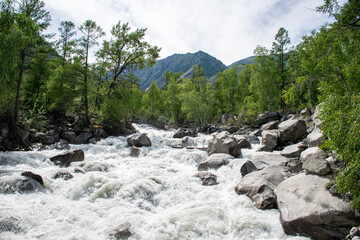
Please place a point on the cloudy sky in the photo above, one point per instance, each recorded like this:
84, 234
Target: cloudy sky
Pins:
227, 29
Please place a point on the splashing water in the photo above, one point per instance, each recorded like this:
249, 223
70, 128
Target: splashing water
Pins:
157, 193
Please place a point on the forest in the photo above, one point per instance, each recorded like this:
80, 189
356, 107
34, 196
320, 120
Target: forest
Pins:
42, 75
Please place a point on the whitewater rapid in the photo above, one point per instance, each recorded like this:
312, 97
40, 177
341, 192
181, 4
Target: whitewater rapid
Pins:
157, 193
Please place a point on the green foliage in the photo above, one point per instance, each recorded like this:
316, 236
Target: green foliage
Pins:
36, 117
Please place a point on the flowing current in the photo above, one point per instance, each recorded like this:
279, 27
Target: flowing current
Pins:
157, 193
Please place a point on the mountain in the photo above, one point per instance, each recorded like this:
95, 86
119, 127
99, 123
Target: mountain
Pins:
184, 63
179, 63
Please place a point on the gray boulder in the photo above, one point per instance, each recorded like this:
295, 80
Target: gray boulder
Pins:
183, 132
242, 141
267, 117
316, 138
260, 185
65, 159
251, 166
295, 165
293, 151
291, 130
43, 138
270, 125
271, 159
139, 140
215, 161
307, 208
135, 151
269, 140
252, 139
316, 165
256, 132
314, 151
208, 179
83, 138
223, 143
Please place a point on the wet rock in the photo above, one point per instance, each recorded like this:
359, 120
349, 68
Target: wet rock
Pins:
242, 141
100, 133
270, 125
269, 140
230, 129
183, 132
355, 231
139, 140
10, 224
252, 166
291, 130
316, 138
268, 117
82, 138
215, 161
79, 170
307, 208
68, 136
121, 232
260, 185
94, 140
223, 143
65, 159
66, 175
34, 176
293, 151
94, 167
208, 179
135, 152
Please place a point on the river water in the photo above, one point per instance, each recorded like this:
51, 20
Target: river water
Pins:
156, 193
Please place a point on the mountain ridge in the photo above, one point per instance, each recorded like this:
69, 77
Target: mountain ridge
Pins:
183, 63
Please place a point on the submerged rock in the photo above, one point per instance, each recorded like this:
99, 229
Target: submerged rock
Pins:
183, 132
66, 175
121, 232
208, 179
309, 209
64, 160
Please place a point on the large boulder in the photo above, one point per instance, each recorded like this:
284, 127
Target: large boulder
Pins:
268, 117
269, 140
243, 141
251, 166
293, 151
291, 130
43, 138
100, 133
65, 159
223, 143
314, 161
69, 136
183, 132
139, 140
316, 138
260, 185
307, 208
271, 159
215, 161
270, 125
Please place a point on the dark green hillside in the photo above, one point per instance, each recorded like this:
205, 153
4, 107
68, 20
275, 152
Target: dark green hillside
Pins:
179, 63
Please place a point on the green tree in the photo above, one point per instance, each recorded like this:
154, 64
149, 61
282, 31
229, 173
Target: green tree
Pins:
279, 50
91, 33
152, 100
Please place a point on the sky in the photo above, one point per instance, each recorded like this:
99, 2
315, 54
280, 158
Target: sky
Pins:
229, 30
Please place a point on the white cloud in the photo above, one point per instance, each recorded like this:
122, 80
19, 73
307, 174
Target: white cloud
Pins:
227, 29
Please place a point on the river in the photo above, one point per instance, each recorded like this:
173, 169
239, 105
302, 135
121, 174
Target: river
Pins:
156, 193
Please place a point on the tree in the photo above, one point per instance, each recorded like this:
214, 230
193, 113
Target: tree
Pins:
126, 52
279, 50
66, 44
91, 33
